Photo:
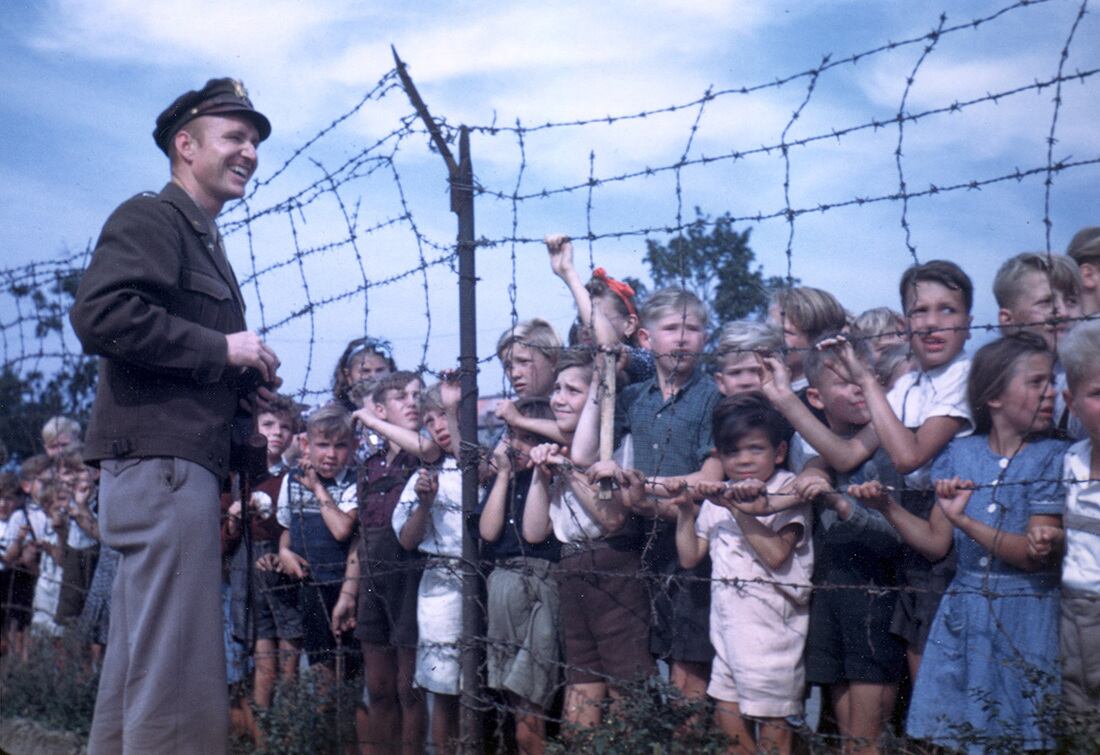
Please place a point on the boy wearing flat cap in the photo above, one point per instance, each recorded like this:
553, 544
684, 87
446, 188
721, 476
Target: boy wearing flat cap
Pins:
160, 306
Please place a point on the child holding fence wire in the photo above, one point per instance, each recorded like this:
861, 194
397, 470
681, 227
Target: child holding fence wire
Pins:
760, 581
604, 605
317, 507
606, 311
912, 422
524, 630
381, 579
1080, 610
850, 650
989, 676
428, 517
1041, 294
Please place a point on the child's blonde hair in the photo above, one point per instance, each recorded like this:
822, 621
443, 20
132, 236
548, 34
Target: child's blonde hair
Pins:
742, 337
431, 400
57, 426
879, 321
1079, 351
812, 310
331, 421
1009, 285
536, 334
672, 299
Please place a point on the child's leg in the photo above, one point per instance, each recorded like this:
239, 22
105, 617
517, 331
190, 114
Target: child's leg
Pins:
380, 679
731, 723
530, 725
444, 723
265, 659
690, 678
774, 736
584, 702
863, 710
288, 659
414, 709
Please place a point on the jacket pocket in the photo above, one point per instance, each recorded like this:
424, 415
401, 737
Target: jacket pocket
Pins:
194, 280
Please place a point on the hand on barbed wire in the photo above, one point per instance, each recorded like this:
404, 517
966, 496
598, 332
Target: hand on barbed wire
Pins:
871, 494
1043, 539
269, 562
343, 613
450, 390
809, 486
546, 455
776, 380
292, 564
560, 247
502, 457
842, 360
506, 411
426, 486
633, 490
677, 492
952, 496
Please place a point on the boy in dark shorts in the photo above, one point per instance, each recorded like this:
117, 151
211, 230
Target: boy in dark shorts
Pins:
383, 577
271, 620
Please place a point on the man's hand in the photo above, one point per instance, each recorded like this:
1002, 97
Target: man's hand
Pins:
246, 349
560, 247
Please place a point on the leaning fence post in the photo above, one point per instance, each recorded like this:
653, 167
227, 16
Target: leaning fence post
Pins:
461, 177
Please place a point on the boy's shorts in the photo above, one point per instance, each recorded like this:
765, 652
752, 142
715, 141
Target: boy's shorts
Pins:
439, 617
316, 601
850, 638
1080, 647
22, 598
524, 629
390, 578
275, 613
604, 615
680, 600
916, 608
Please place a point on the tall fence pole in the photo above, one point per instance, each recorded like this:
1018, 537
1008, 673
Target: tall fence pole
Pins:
461, 177
462, 189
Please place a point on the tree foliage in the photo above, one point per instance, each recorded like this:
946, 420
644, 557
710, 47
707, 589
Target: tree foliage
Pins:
713, 260
46, 384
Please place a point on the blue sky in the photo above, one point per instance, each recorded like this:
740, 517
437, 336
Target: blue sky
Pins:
84, 81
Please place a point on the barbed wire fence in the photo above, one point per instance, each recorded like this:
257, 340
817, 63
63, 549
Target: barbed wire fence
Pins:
341, 238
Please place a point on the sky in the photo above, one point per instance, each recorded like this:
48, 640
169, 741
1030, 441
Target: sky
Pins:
84, 82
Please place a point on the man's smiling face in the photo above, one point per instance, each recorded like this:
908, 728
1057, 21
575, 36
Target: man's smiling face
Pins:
221, 155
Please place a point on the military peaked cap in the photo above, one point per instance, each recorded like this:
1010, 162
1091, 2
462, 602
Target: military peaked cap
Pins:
218, 97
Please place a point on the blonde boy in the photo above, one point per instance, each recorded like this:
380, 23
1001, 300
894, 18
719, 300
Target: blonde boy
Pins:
738, 368
1080, 629
1084, 249
528, 353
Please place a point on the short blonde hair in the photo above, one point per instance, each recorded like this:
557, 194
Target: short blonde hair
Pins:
1079, 351
672, 299
879, 321
812, 310
57, 426
1008, 285
331, 421
741, 337
536, 334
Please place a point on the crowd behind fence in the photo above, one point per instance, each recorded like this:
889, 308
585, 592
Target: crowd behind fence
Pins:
867, 552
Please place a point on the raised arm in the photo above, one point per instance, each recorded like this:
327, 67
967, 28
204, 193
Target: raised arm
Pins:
416, 526
560, 248
547, 428
536, 513
491, 522
410, 441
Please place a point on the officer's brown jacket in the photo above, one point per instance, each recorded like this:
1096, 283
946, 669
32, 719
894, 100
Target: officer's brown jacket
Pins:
154, 304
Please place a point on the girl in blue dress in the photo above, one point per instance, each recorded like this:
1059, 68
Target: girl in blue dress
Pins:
989, 676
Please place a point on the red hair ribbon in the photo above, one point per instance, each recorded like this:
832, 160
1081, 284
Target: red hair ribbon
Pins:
620, 289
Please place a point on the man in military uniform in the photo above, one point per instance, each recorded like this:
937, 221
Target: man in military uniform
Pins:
161, 307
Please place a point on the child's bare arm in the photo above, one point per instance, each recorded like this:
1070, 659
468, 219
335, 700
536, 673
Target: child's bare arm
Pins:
340, 523
842, 454
547, 428
491, 522
690, 548
771, 546
909, 450
952, 496
929, 537
584, 449
343, 613
536, 512
610, 514
560, 248
410, 441
416, 526
291, 563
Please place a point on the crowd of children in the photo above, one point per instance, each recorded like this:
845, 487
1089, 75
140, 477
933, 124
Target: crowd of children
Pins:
850, 503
